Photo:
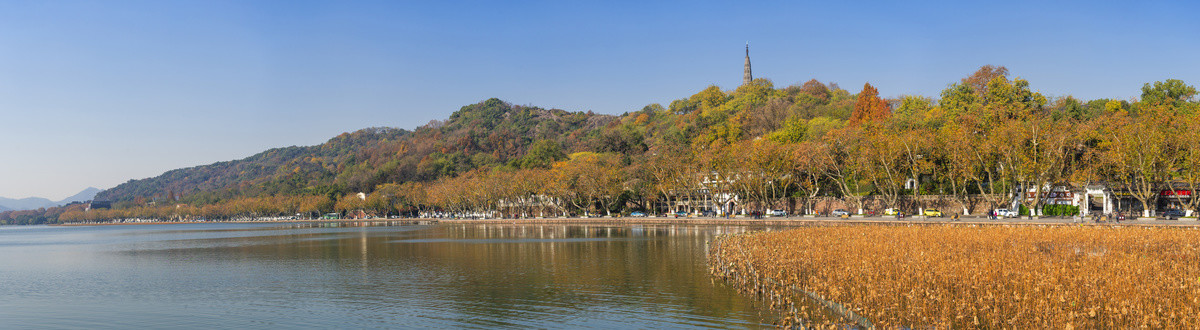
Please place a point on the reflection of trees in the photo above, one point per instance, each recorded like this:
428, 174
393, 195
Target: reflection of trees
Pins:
501, 273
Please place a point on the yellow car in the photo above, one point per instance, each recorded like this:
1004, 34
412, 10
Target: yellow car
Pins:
933, 213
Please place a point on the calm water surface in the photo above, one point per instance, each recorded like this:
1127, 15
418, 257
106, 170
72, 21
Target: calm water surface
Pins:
305, 275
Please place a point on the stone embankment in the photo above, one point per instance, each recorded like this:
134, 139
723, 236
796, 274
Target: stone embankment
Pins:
809, 221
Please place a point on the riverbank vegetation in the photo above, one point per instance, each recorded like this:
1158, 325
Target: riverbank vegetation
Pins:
772, 148
947, 276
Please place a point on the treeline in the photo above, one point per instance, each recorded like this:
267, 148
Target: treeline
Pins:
771, 147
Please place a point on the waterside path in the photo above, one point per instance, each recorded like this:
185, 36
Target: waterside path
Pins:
736, 221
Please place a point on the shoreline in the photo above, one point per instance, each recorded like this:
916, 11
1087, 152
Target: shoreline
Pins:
405, 221
782, 221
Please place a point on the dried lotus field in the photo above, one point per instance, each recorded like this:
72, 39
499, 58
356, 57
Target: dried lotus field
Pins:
963, 276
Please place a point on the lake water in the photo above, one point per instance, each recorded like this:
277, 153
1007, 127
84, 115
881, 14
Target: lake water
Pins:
318, 276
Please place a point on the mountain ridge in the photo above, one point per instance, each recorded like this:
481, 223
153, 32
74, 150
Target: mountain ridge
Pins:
31, 203
488, 133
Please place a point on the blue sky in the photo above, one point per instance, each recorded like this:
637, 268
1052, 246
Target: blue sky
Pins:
94, 93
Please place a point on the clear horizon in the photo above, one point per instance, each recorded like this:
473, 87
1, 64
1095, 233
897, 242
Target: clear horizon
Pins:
98, 93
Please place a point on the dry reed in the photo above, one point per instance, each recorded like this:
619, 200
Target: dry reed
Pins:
956, 276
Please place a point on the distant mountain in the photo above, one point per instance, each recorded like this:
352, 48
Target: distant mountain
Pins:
26, 203
82, 196
31, 203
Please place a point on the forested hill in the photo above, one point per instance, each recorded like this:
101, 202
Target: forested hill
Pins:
800, 141
488, 133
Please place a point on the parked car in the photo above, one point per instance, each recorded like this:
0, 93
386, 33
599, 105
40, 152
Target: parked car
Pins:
1173, 214
839, 212
637, 214
680, 214
890, 211
933, 213
778, 213
1005, 213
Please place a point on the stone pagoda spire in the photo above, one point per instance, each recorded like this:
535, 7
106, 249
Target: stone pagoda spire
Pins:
746, 76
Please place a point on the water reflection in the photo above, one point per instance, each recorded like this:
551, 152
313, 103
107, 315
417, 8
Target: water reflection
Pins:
339, 275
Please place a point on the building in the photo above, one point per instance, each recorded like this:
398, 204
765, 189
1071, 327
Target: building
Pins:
96, 205
746, 76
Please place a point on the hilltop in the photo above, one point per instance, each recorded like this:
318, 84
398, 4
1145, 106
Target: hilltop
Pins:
488, 133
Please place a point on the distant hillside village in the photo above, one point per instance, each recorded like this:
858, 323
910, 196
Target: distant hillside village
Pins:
987, 143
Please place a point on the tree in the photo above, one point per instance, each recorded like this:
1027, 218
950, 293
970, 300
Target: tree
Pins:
916, 150
1169, 92
349, 205
913, 112
868, 107
1138, 153
814, 89
766, 172
542, 154
884, 163
1068, 108
810, 164
591, 179
1036, 153
663, 166
719, 173
767, 118
793, 130
847, 166
1189, 158
958, 162
978, 81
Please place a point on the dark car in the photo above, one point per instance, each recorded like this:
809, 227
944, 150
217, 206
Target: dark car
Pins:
1173, 214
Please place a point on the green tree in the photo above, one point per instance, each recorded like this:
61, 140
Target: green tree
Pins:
1171, 91
542, 154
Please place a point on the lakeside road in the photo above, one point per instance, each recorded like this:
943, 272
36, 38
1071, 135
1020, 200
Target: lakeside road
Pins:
412, 221
803, 221
768, 221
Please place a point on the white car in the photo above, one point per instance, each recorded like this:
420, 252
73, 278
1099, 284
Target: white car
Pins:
839, 212
1005, 213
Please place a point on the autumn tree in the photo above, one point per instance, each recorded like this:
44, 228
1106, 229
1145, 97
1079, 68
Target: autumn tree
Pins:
868, 107
662, 166
1138, 154
847, 166
979, 81
591, 180
1189, 158
883, 157
810, 165
764, 177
